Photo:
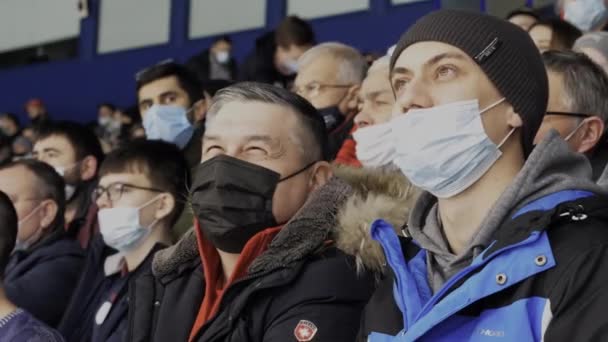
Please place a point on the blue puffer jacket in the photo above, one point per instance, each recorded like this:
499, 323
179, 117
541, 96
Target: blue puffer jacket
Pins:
543, 278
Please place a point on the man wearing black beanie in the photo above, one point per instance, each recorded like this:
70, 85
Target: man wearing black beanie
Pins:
507, 241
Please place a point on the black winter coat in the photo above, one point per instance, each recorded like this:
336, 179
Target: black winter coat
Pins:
42, 278
300, 285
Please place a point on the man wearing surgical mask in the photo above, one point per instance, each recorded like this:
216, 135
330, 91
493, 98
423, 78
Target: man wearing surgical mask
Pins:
139, 204
75, 153
45, 265
504, 235
215, 63
587, 15
577, 107
376, 101
260, 263
168, 94
329, 77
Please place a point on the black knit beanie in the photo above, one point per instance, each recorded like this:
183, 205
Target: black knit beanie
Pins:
504, 52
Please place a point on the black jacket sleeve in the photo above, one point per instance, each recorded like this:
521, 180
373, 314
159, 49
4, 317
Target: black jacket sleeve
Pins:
46, 288
580, 299
327, 300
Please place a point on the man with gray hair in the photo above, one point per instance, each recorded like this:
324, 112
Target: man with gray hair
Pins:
260, 263
595, 46
329, 77
578, 106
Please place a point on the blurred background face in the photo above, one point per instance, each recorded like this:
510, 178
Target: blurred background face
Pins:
522, 20
105, 112
220, 48
8, 126
265, 135
376, 99
34, 110
541, 35
57, 151
286, 58
317, 82
20, 185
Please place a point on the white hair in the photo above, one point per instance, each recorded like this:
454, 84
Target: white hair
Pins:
352, 66
380, 63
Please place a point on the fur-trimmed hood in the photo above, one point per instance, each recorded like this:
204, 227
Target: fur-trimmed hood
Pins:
342, 211
377, 194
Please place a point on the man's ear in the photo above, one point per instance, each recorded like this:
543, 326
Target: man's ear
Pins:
49, 212
513, 118
592, 132
321, 173
88, 168
164, 206
199, 109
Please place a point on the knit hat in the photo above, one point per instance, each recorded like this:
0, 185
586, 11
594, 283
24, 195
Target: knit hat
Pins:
505, 53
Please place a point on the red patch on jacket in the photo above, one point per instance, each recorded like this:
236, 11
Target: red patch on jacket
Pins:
305, 331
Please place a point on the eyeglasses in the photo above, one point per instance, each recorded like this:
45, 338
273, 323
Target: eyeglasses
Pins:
142, 72
578, 115
116, 190
313, 89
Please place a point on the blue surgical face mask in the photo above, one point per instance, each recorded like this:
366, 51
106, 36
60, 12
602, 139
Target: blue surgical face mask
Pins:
587, 15
168, 123
445, 149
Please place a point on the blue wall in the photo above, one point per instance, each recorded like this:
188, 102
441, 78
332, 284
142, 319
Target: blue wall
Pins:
72, 89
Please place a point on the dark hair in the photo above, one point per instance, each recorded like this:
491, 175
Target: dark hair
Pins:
185, 78
294, 31
223, 38
563, 34
161, 162
82, 138
6, 150
8, 233
49, 185
585, 83
313, 133
213, 86
523, 11
107, 105
11, 117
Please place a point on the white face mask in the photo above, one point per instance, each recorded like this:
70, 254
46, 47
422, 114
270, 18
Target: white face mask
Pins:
587, 15
121, 228
222, 56
32, 239
69, 189
375, 147
445, 149
291, 66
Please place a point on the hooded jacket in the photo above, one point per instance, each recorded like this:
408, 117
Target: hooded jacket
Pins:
531, 273
300, 287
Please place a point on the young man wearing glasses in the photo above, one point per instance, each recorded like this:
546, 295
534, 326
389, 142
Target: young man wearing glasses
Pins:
139, 204
577, 106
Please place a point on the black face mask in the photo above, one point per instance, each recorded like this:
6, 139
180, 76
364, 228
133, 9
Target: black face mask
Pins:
332, 117
232, 200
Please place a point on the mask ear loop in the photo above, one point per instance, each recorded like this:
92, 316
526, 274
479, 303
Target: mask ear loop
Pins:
493, 105
504, 140
298, 172
151, 225
574, 131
